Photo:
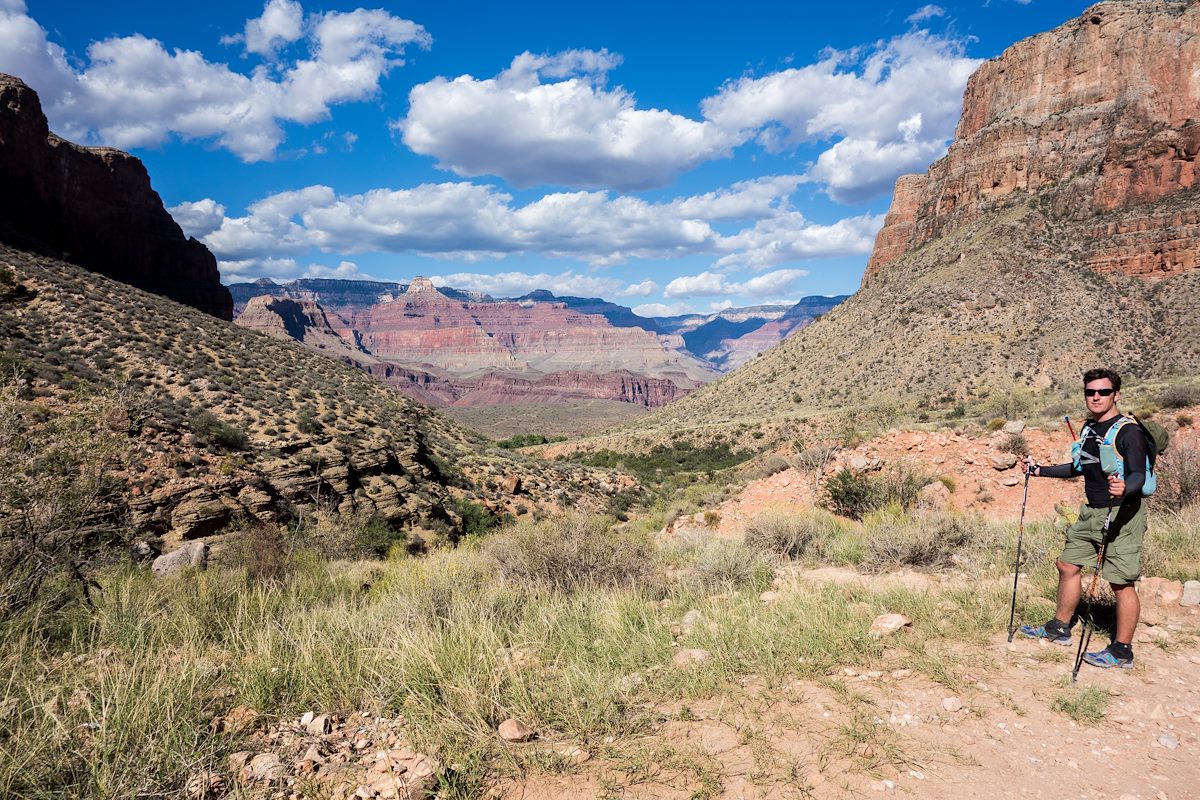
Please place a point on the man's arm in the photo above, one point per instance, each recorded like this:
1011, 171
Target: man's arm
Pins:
1050, 471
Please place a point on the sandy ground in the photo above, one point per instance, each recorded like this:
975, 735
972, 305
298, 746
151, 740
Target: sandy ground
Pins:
995, 735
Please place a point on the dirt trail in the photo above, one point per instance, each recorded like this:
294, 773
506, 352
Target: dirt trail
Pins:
995, 735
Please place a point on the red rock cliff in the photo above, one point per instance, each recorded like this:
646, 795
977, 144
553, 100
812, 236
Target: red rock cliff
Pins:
93, 206
1099, 119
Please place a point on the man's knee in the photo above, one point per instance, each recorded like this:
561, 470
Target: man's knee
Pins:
1065, 569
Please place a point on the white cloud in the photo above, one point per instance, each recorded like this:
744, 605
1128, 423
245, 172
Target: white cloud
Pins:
515, 284
714, 283
643, 289
568, 131
200, 218
925, 12
471, 222
285, 269
280, 25
133, 92
888, 110
662, 309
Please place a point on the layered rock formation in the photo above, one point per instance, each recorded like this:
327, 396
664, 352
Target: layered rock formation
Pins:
1022, 258
1098, 118
94, 206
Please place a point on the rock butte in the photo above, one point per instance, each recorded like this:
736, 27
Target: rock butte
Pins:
94, 207
1103, 138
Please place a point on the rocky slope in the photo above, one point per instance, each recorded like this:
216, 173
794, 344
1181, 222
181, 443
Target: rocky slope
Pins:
94, 206
290, 429
1019, 259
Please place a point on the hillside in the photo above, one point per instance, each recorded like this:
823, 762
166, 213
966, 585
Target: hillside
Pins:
1059, 232
223, 424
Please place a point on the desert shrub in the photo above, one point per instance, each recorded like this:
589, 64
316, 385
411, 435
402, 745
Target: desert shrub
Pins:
788, 533
853, 494
572, 551
1178, 472
1014, 443
476, 520
1172, 548
928, 541
528, 440
1178, 396
814, 459
996, 424
57, 497
210, 429
1184, 420
262, 550
664, 460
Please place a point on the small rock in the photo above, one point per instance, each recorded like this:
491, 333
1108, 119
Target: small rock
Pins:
769, 596
574, 754
1168, 741
306, 718
885, 786
205, 785
901, 674
1014, 426
192, 554
952, 704
690, 656
887, 624
1191, 594
511, 484
513, 730
1002, 461
237, 761
265, 767
319, 725
692, 620
1010, 480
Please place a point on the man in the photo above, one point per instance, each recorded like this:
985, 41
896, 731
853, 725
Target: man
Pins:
1111, 493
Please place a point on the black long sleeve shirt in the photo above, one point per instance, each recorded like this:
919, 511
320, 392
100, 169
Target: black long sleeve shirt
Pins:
1131, 444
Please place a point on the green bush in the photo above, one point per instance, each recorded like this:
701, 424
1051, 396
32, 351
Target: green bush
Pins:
210, 429
476, 519
714, 565
1178, 396
853, 494
931, 541
787, 533
1014, 443
528, 440
572, 552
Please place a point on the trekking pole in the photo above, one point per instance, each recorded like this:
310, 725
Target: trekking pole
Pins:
1012, 613
1085, 636
1070, 430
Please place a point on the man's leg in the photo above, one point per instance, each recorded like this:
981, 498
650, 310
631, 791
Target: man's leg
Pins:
1069, 591
1129, 608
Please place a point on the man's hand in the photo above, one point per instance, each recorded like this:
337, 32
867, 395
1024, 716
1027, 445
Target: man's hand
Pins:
1029, 465
1116, 486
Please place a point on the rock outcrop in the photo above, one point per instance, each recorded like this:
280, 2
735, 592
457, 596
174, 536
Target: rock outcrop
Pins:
94, 207
1098, 118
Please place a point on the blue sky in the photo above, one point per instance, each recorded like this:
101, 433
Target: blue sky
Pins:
668, 156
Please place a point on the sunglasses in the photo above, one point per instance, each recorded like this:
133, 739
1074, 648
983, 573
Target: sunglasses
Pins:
1101, 392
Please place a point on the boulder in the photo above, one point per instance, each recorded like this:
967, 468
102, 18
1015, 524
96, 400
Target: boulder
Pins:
513, 730
1191, 594
935, 496
887, 624
1159, 592
1014, 426
193, 555
1003, 461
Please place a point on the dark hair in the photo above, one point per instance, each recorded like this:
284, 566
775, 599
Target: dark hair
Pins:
1101, 374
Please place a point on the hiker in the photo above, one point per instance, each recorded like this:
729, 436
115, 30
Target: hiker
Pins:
1108, 496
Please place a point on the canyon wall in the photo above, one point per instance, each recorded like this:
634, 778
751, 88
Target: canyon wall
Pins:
1099, 119
94, 207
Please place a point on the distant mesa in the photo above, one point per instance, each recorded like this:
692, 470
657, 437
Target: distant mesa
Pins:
94, 207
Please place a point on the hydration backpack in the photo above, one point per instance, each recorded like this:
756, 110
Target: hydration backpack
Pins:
1111, 461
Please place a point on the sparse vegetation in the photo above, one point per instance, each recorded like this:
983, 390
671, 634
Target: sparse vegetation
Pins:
528, 440
1084, 704
853, 493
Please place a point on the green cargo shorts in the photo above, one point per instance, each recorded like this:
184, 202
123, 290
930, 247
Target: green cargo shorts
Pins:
1123, 558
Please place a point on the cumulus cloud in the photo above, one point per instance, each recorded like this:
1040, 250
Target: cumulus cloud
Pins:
553, 120
471, 222
887, 110
133, 92
642, 289
515, 284
715, 283
285, 269
662, 309
550, 119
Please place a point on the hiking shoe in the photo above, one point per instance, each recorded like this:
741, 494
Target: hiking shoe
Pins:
1106, 658
1051, 634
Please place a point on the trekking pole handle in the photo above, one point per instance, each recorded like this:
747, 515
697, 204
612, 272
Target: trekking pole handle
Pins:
1070, 430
